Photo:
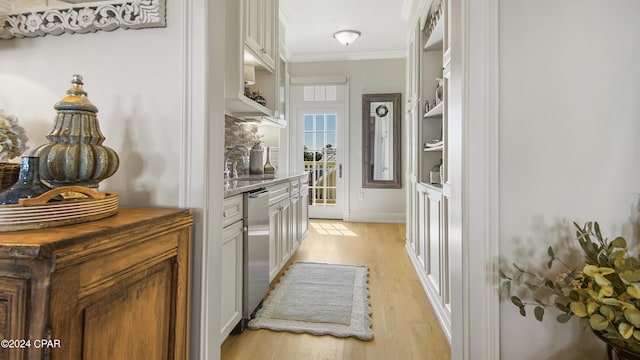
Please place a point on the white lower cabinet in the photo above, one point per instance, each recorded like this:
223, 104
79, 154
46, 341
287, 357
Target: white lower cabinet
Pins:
275, 234
423, 228
279, 236
304, 208
434, 241
232, 258
288, 224
295, 222
285, 231
428, 248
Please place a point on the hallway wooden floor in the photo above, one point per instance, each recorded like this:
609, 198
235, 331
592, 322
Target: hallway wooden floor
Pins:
404, 325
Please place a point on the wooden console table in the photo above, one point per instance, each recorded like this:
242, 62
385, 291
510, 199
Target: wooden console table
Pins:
115, 288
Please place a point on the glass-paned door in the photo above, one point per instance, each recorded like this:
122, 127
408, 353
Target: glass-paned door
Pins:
322, 158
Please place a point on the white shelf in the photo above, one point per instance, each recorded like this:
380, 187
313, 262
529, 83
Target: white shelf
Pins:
435, 39
242, 106
434, 187
436, 148
429, 186
436, 111
274, 121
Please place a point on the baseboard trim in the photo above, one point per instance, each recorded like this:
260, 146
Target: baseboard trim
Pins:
441, 313
393, 218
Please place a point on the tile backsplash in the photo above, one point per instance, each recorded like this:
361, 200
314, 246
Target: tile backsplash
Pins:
238, 132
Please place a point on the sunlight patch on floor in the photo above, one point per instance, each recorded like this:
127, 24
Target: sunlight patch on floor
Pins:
333, 229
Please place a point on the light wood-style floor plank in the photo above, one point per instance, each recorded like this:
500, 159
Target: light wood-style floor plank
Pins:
404, 324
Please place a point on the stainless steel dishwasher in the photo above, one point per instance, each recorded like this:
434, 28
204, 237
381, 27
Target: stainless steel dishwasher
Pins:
256, 251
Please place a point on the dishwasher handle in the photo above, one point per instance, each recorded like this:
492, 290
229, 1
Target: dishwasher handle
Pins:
258, 193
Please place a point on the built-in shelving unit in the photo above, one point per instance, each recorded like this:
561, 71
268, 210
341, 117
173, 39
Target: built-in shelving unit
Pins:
428, 191
430, 61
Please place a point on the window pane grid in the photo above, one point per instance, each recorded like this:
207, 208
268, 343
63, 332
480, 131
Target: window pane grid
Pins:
320, 156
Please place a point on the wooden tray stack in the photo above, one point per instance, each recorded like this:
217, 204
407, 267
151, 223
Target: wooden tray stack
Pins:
80, 204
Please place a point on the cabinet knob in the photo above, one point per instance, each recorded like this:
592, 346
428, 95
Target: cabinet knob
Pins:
245, 229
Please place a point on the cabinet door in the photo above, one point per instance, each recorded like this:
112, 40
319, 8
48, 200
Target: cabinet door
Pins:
421, 245
231, 291
412, 219
446, 263
283, 92
295, 222
253, 25
261, 29
285, 233
130, 301
118, 324
275, 234
14, 301
270, 32
434, 218
304, 213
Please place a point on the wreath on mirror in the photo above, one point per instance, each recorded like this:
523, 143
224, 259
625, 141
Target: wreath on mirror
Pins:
382, 110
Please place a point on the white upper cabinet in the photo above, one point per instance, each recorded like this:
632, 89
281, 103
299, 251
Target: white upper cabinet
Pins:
260, 30
283, 92
251, 34
271, 32
253, 24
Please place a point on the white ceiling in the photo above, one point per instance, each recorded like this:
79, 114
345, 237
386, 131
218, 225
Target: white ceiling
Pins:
310, 24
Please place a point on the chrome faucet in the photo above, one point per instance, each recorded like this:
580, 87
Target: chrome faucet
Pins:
232, 173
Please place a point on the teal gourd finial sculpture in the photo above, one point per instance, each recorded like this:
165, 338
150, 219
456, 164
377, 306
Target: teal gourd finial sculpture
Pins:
75, 154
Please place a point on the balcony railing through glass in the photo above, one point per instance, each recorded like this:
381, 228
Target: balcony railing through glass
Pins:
323, 181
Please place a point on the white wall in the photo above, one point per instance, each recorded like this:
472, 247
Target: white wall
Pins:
365, 77
161, 108
134, 77
569, 149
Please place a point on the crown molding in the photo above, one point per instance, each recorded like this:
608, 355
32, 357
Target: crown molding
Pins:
374, 55
407, 6
285, 17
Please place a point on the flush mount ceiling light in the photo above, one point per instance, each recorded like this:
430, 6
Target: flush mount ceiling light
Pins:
346, 37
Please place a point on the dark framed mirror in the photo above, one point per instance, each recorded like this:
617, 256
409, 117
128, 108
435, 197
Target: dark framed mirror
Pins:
381, 161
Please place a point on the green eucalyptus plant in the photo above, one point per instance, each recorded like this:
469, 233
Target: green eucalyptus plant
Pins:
603, 291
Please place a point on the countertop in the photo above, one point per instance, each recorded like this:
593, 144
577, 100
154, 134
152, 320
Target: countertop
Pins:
234, 187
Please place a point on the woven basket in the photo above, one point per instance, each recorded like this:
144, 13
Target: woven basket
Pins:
8, 174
